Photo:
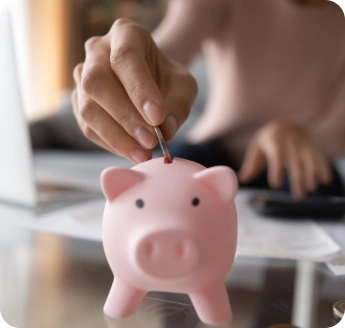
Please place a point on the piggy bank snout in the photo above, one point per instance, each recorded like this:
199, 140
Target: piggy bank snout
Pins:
167, 254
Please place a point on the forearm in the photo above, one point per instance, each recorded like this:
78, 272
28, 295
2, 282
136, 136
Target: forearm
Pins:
185, 26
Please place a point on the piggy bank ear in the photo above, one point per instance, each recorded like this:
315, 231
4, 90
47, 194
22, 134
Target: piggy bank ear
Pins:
116, 180
220, 179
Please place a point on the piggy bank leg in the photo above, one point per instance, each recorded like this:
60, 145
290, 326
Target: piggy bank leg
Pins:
123, 300
212, 305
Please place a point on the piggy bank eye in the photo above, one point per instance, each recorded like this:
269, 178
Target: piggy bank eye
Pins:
195, 201
139, 203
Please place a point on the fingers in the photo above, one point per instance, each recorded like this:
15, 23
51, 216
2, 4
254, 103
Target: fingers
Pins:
130, 44
295, 172
100, 83
323, 171
275, 165
316, 168
87, 131
99, 126
306, 167
110, 131
285, 147
253, 163
310, 169
257, 158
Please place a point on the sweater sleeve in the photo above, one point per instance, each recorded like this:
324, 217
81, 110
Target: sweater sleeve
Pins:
186, 24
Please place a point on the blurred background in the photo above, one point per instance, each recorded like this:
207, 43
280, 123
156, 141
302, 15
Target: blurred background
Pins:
65, 281
50, 37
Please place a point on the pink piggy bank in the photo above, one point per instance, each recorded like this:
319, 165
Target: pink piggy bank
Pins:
172, 228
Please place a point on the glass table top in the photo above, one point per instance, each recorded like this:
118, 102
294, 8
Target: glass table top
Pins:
53, 281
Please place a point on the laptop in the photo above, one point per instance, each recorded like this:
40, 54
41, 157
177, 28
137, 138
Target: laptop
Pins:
17, 178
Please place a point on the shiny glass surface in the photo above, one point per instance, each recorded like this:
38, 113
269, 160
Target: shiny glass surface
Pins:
53, 281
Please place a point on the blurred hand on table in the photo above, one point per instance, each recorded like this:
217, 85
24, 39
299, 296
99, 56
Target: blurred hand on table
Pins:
285, 147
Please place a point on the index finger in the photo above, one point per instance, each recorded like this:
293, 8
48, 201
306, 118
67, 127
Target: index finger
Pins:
131, 49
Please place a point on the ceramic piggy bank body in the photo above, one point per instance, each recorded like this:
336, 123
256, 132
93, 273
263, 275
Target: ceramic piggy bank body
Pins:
173, 228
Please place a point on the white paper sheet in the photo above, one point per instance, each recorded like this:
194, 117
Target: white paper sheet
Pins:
337, 265
337, 232
80, 221
274, 237
258, 236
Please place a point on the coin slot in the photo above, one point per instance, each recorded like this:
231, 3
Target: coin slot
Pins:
167, 160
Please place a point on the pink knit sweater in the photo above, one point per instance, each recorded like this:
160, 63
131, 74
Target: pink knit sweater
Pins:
266, 59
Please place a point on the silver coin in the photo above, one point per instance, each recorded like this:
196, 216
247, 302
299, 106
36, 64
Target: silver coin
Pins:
163, 145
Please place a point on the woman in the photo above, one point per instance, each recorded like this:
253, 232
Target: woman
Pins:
277, 88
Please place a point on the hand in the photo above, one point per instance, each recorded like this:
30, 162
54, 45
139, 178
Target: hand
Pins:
125, 87
283, 146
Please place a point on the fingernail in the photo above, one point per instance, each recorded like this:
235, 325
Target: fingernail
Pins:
171, 124
153, 112
138, 155
144, 136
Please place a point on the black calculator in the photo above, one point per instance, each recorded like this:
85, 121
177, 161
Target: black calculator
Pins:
281, 204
